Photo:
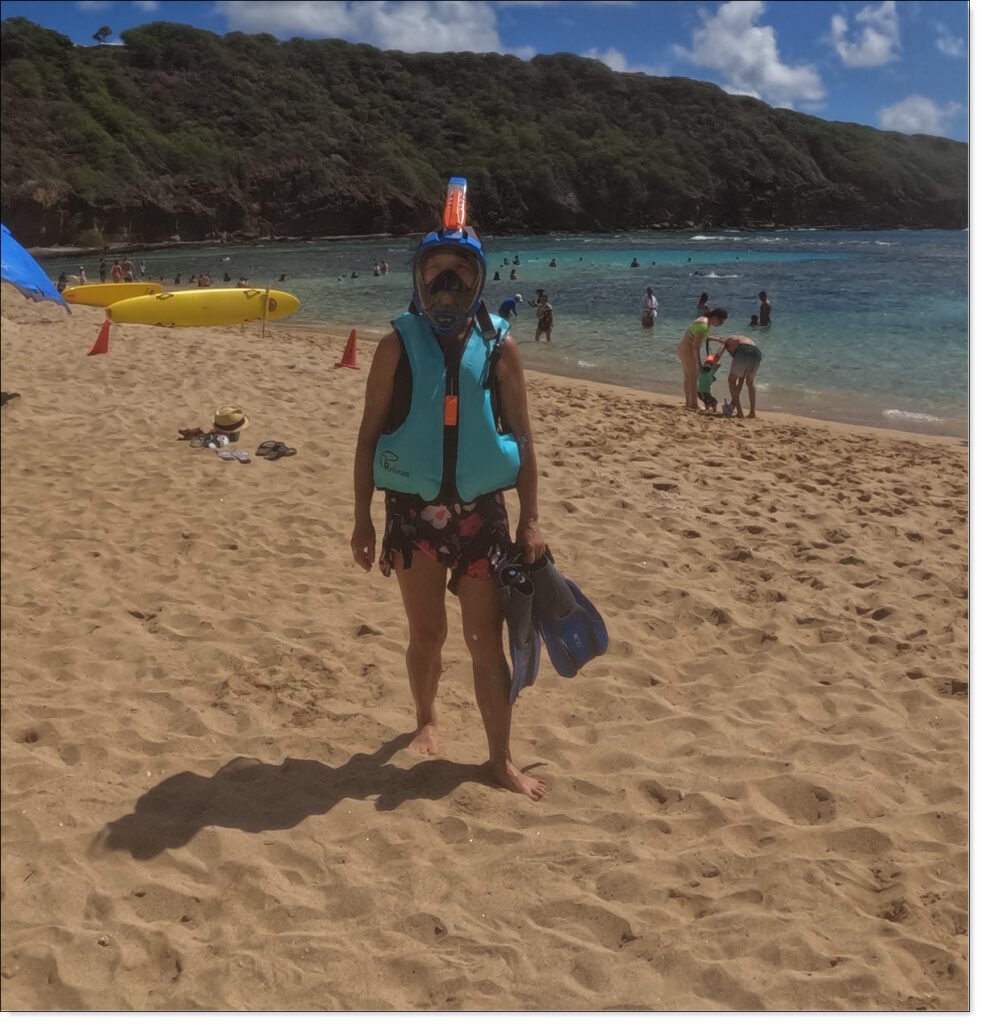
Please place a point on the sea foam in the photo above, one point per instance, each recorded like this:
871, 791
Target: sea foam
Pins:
903, 414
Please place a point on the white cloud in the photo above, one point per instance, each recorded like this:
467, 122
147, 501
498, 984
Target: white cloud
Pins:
94, 5
747, 57
147, 5
616, 61
948, 44
413, 26
875, 40
917, 115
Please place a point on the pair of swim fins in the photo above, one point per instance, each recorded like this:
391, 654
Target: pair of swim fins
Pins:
541, 605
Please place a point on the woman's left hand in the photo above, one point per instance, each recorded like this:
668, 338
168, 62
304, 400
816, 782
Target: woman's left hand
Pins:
529, 538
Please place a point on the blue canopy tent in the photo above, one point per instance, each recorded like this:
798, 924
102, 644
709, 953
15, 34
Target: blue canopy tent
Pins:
20, 268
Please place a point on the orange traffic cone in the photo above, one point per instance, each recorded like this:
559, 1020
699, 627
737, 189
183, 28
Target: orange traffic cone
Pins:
100, 346
350, 358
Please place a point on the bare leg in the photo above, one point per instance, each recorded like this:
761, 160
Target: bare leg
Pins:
480, 609
736, 386
423, 596
691, 368
752, 393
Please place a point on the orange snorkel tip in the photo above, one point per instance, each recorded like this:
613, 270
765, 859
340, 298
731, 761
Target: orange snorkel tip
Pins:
455, 207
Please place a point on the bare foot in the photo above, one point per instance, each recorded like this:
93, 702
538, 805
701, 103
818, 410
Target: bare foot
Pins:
752, 416
509, 777
426, 742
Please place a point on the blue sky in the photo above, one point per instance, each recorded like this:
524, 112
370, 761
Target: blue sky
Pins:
896, 65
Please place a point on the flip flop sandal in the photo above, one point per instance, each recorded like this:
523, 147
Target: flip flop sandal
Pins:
280, 453
8, 396
188, 432
267, 446
225, 456
239, 454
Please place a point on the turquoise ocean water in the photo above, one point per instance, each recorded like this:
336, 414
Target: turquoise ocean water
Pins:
868, 327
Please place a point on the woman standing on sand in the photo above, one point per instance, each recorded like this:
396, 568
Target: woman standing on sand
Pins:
690, 351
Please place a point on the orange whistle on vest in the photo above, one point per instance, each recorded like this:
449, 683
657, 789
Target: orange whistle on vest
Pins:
450, 411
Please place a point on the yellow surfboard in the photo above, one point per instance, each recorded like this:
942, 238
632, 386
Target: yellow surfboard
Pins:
204, 307
107, 294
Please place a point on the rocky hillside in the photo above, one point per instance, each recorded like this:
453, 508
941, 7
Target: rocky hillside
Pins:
181, 132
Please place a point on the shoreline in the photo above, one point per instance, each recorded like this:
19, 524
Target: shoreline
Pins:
112, 248
372, 335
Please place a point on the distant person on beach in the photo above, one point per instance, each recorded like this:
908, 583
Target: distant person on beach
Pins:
516, 260
243, 282
204, 281
497, 276
376, 269
428, 539
513, 276
508, 309
82, 279
143, 270
543, 318
283, 276
103, 271
754, 322
177, 279
635, 263
745, 360
702, 306
552, 262
226, 276
117, 272
649, 308
690, 352
385, 267
128, 269
62, 282
765, 309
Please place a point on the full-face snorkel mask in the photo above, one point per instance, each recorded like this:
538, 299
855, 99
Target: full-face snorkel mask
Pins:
447, 295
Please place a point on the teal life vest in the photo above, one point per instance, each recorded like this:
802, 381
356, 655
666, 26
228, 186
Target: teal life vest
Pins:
411, 458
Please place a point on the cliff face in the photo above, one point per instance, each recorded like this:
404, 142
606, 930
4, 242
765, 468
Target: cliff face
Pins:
184, 133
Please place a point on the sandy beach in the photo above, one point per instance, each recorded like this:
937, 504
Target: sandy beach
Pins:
758, 796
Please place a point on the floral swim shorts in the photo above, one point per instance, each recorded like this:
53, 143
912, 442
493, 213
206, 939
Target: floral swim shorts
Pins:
470, 538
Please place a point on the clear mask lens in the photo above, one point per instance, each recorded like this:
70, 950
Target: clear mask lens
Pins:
449, 296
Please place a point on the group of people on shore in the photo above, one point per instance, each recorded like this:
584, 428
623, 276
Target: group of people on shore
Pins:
700, 368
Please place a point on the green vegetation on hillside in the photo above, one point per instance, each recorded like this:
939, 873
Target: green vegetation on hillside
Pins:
183, 132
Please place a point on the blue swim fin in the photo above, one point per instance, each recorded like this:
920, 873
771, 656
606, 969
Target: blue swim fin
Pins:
571, 627
517, 596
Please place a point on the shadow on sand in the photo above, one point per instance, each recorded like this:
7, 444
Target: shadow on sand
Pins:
255, 797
